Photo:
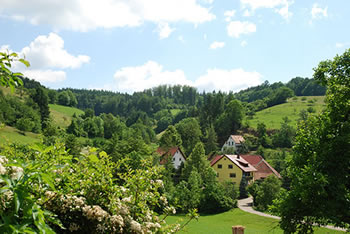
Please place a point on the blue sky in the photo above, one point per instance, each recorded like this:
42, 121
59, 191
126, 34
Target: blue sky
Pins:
131, 45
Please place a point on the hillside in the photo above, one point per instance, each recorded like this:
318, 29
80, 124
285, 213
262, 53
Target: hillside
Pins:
62, 115
12, 135
273, 116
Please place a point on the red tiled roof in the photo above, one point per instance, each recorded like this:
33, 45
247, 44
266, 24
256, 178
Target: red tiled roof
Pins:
238, 139
215, 159
264, 169
171, 152
240, 162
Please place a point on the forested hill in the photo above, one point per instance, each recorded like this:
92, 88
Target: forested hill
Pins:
151, 101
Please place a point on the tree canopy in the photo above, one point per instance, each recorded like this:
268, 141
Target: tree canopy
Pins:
320, 167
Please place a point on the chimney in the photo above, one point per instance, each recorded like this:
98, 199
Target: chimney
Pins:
238, 156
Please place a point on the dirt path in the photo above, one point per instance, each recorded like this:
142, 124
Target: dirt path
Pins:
246, 205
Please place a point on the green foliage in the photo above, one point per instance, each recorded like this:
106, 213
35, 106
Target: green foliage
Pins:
49, 186
230, 120
7, 77
170, 138
319, 169
264, 192
24, 124
211, 140
284, 137
190, 133
243, 193
41, 98
67, 98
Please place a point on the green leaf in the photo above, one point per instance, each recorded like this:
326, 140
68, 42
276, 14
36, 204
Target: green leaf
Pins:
25, 62
93, 158
48, 180
17, 202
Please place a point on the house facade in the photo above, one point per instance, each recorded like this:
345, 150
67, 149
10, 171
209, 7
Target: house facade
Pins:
232, 168
174, 154
264, 169
233, 141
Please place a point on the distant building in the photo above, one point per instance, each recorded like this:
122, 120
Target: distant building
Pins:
232, 168
233, 141
175, 154
263, 168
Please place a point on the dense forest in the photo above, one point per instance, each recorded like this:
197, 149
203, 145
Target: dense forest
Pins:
121, 186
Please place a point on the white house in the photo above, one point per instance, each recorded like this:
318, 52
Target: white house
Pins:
176, 155
233, 141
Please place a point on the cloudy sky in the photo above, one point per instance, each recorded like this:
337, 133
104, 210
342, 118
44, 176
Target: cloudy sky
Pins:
131, 45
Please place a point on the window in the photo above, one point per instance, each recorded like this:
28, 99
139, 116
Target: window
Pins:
246, 174
230, 166
217, 174
233, 175
173, 159
219, 165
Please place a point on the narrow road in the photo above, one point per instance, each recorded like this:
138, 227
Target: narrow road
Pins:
246, 205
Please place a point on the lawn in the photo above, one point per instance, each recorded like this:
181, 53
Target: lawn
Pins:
222, 223
9, 135
62, 115
273, 116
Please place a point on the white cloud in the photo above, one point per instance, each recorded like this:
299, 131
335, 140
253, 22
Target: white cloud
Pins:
229, 15
317, 12
85, 15
227, 80
206, 1
48, 51
244, 43
247, 13
151, 74
45, 75
181, 39
46, 54
216, 45
236, 28
164, 30
341, 44
280, 6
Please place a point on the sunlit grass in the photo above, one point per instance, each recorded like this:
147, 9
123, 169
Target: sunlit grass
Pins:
222, 223
12, 135
62, 115
273, 116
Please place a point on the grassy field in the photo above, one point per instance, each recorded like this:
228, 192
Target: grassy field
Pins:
222, 223
273, 116
9, 135
62, 115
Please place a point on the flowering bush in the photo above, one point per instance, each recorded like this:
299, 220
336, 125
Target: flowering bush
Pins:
48, 190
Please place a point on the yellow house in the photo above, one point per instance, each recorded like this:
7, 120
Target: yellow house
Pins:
232, 168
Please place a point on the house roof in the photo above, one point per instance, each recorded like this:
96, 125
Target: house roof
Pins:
264, 169
164, 154
238, 139
238, 161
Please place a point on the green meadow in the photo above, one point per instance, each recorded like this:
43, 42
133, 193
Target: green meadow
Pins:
222, 223
10, 135
62, 115
273, 116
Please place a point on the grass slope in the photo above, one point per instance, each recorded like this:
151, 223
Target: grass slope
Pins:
222, 223
62, 115
10, 135
273, 116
